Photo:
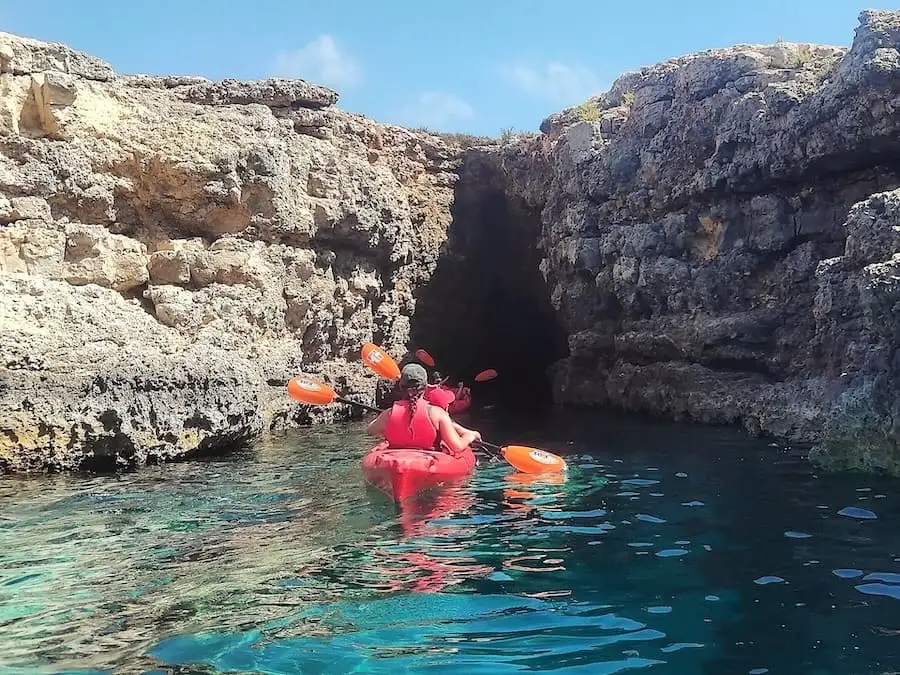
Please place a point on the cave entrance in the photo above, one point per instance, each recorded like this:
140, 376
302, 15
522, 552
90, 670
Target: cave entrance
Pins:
487, 304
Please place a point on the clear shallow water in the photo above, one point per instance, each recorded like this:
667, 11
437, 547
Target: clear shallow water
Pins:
666, 549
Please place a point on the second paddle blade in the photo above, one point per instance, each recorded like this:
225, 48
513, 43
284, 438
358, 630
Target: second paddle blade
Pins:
486, 375
532, 460
380, 361
425, 358
309, 391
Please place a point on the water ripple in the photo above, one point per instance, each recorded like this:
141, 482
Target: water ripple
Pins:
887, 590
856, 512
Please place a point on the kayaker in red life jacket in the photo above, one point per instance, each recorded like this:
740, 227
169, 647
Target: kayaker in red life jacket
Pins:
413, 422
437, 394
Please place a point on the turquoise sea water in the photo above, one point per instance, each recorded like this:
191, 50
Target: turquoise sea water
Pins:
665, 550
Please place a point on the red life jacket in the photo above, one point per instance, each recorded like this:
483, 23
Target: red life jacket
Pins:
421, 434
439, 395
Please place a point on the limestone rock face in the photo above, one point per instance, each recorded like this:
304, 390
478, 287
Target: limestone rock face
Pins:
718, 239
718, 244
94, 376
857, 314
715, 238
172, 250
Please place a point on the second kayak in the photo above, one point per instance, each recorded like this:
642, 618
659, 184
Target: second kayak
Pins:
404, 472
460, 404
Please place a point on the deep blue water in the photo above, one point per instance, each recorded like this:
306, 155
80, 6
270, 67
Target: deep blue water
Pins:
666, 549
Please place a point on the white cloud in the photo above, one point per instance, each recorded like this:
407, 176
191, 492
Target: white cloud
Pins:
321, 61
554, 82
436, 110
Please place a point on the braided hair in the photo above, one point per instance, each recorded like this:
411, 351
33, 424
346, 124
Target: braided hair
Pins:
412, 394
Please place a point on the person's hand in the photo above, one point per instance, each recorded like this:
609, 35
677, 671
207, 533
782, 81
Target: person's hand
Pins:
472, 437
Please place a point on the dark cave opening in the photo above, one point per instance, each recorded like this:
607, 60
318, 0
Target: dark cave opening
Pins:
487, 304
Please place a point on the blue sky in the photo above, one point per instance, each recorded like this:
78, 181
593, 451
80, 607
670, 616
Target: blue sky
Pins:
472, 66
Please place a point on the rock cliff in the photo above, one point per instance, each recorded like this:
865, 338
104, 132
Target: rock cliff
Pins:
718, 238
172, 250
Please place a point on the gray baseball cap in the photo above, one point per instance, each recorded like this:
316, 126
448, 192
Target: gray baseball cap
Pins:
413, 374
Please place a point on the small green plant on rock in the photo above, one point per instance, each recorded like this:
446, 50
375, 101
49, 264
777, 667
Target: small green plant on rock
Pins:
804, 56
587, 112
628, 98
821, 65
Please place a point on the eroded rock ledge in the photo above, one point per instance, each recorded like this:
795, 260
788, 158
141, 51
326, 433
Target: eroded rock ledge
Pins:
172, 250
718, 235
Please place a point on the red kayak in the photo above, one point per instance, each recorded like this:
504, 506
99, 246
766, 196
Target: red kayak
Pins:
401, 472
461, 404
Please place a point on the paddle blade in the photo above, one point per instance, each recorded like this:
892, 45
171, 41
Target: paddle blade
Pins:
425, 358
532, 460
380, 362
486, 375
310, 391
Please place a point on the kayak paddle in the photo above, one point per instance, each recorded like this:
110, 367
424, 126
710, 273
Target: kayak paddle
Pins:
425, 358
530, 460
380, 361
314, 392
486, 375
525, 459
428, 360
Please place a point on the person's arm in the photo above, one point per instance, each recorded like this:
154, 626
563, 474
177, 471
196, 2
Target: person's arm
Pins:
460, 429
457, 442
376, 427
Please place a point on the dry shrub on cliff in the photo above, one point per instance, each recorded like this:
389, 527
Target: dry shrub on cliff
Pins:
511, 135
458, 139
821, 63
587, 112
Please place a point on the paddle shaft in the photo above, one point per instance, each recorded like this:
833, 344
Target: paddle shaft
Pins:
490, 445
364, 406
